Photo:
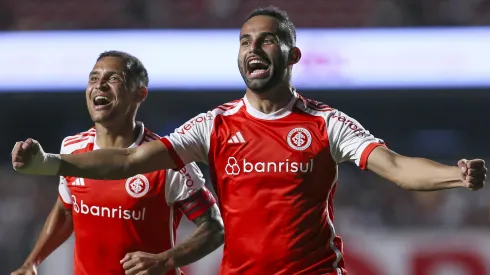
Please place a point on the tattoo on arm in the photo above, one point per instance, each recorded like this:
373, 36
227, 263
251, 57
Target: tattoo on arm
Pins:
208, 236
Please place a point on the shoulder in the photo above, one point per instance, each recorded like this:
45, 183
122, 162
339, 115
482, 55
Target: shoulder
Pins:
315, 108
206, 120
149, 136
71, 144
229, 108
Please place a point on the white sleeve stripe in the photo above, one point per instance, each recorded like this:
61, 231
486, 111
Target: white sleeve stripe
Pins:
64, 193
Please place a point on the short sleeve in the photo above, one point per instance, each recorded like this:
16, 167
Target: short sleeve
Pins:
182, 184
349, 141
185, 189
63, 190
190, 142
64, 193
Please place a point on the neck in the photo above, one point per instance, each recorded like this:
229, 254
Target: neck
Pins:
272, 100
117, 135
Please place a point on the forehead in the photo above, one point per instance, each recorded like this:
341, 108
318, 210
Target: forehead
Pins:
259, 24
109, 63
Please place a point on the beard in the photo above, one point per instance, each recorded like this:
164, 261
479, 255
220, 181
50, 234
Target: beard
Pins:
278, 73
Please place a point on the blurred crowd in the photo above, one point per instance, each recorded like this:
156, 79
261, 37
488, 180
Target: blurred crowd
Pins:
110, 14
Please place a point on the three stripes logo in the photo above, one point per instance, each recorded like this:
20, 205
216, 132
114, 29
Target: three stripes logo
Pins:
78, 182
236, 138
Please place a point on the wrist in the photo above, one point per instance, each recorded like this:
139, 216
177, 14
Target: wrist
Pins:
167, 260
52, 163
458, 176
30, 264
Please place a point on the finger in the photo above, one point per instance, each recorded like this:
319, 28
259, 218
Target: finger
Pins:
477, 179
127, 265
18, 155
134, 269
16, 147
474, 187
17, 150
126, 258
18, 165
462, 165
26, 146
475, 183
476, 172
475, 163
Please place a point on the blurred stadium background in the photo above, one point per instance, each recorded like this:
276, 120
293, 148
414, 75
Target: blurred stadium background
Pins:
414, 72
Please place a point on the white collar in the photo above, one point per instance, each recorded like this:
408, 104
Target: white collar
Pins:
138, 140
283, 112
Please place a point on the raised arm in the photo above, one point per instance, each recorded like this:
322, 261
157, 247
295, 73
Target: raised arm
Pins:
28, 157
426, 175
189, 143
349, 141
117, 163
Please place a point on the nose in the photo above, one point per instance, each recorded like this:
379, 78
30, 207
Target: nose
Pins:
101, 85
254, 46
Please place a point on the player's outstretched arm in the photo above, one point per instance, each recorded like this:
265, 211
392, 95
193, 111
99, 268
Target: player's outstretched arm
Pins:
28, 157
57, 229
426, 175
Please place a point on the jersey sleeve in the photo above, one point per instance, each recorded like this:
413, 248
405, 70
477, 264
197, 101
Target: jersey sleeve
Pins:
63, 190
185, 189
64, 193
190, 142
349, 141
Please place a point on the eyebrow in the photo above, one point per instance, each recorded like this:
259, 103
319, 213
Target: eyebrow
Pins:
261, 34
98, 72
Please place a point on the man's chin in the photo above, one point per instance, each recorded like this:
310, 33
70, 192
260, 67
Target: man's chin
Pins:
259, 86
99, 117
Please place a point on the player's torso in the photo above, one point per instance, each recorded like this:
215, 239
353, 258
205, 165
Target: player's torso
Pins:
112, 218
275, 177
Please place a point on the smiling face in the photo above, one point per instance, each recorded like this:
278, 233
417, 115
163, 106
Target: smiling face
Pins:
263, 56
108, 92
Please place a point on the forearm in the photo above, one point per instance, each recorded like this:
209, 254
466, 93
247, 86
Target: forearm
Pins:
57, 229
421, 174
207, 237
98, 164
117, 163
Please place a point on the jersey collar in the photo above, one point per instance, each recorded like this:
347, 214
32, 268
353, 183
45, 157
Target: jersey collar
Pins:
275, 115
138, 140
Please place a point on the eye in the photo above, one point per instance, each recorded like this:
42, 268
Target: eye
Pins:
269, 41
93, 79
245, 43
113, 78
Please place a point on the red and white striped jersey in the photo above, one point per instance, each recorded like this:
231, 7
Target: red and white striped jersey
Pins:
114, 217
275, 177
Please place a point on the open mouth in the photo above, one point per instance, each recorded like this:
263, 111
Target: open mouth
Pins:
101, 102
258, 68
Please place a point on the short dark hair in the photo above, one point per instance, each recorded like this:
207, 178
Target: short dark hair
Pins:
286, 26
134, 70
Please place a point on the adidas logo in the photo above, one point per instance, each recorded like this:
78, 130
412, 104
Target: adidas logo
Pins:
78, 182
237, 138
